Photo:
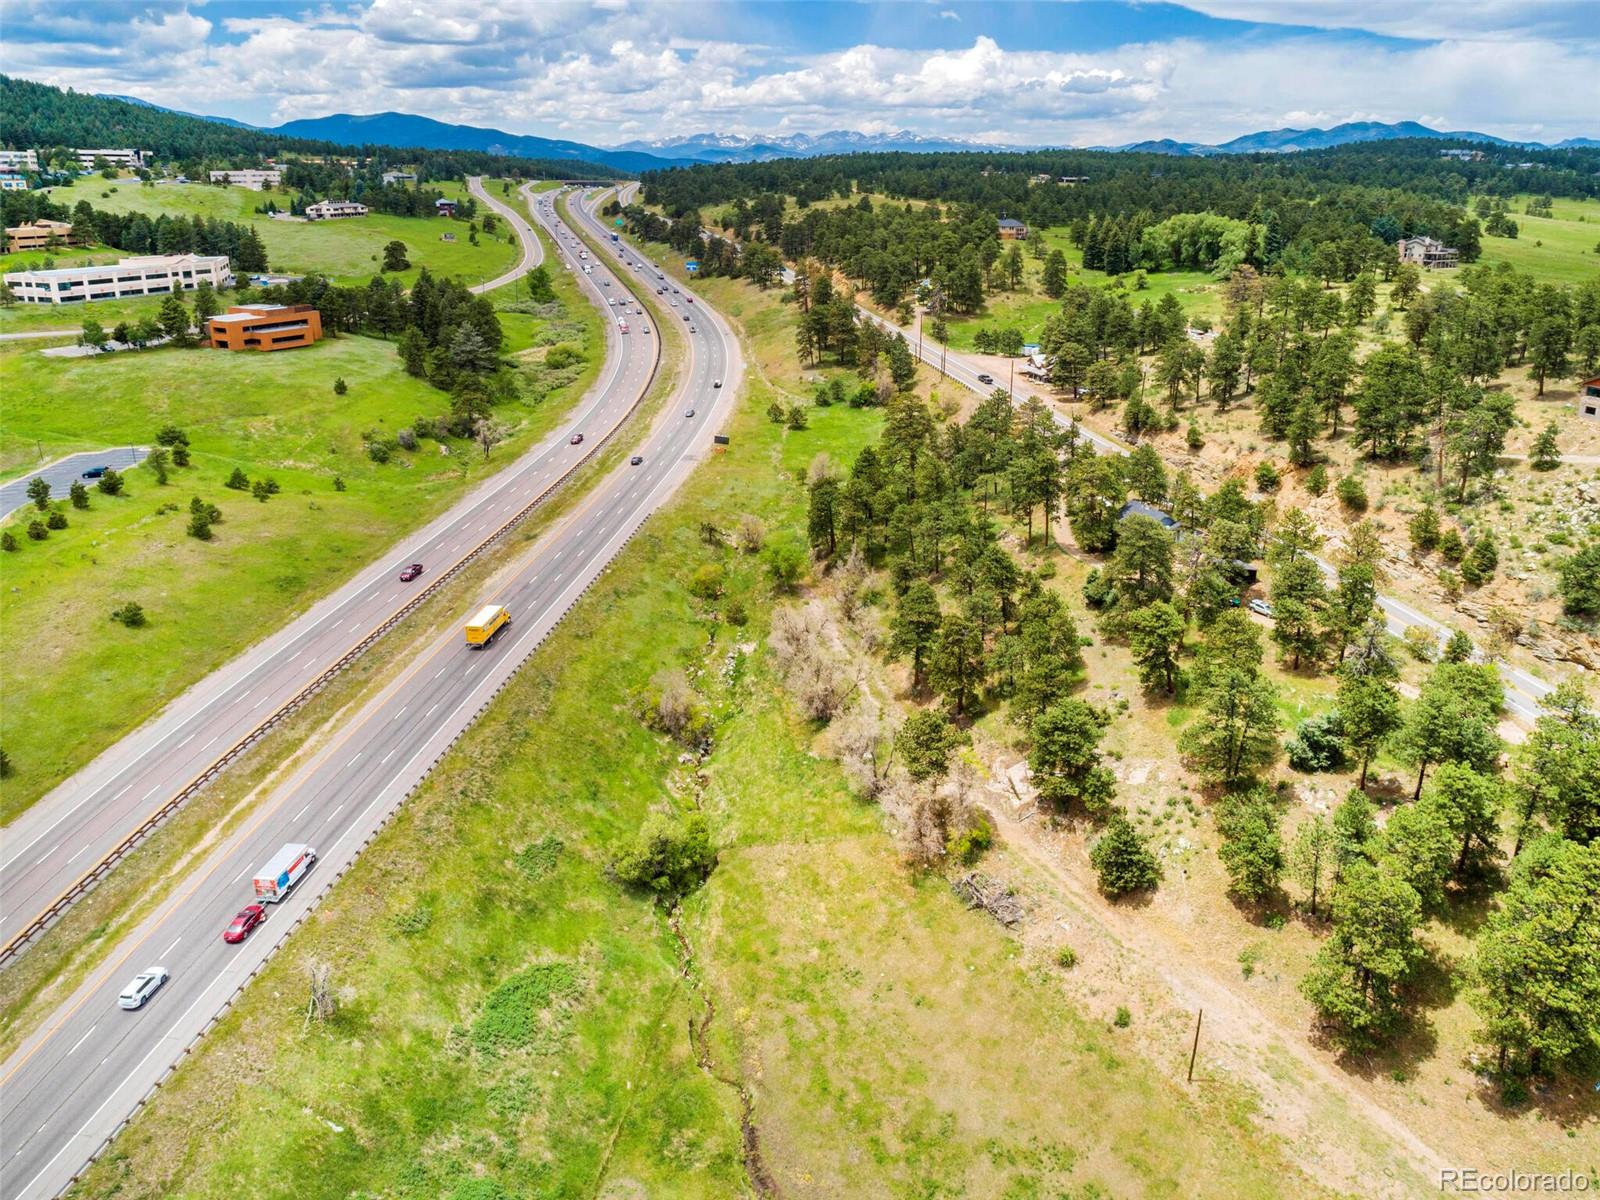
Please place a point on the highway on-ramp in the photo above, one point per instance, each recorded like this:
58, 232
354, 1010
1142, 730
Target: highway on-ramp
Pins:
49, 852
71, 1085
1523, 691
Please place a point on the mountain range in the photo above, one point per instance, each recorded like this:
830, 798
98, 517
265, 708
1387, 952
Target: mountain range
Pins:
1283, 141
407, 129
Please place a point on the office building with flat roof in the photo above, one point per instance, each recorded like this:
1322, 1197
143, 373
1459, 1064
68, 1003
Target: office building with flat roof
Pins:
148, 275
265, 327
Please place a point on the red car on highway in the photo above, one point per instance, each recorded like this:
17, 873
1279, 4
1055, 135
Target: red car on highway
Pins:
410, 572
249, 917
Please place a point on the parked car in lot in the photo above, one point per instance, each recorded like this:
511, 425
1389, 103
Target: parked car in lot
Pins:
143, 985
244, 922
575, 440
95, 472
1260, 608
410, 572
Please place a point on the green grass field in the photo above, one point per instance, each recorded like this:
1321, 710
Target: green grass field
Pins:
1563, 248
82, 680
347, 251
512, 1023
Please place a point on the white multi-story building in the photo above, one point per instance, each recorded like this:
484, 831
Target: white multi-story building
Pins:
19, 160
399, 177
13, 183
127, 160
252, 179
329, 210
148, 275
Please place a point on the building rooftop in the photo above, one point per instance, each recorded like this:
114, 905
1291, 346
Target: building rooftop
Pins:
146, 262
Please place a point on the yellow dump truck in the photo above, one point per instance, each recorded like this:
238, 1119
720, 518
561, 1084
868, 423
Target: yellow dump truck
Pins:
486, 623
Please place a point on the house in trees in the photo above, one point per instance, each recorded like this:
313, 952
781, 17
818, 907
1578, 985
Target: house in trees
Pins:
1012, 230
444, 207
1138, 508
1428, 252
1589, 399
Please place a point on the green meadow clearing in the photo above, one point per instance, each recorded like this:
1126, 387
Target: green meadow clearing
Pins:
347, 251
83, 680
1562, 248
514, 1023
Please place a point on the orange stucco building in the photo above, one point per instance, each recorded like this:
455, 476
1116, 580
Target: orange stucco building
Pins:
265, 327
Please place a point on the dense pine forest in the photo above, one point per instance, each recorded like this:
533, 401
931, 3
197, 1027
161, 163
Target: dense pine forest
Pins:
36, 115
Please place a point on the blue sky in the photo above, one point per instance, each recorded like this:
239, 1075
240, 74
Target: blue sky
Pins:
609, 71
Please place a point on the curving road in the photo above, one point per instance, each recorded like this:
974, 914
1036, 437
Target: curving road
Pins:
532, 250
48, 850
79, 1078
1523, 691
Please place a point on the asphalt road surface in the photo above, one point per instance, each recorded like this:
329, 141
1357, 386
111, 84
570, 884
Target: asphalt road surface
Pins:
48, 848
64, 472
1523, 691
76, 1080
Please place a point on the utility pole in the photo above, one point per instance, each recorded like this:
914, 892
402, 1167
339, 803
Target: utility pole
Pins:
1011, 380
1195, 1050
919, 333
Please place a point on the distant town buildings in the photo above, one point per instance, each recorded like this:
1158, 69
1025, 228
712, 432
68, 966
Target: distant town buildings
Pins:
333, 210
254, 180
265, 327
38, 236
148, 275
1428, 252
13, 183
1073, 180
1012, 230
399, 177
126, 160
1589, 399
1463, 155
19, 160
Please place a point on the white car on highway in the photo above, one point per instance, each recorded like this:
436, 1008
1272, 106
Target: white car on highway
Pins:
144, 985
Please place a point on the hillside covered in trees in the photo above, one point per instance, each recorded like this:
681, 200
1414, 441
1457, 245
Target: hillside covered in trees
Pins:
39, 116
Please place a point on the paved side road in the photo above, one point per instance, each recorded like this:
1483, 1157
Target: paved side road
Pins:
1523, 690
62, 473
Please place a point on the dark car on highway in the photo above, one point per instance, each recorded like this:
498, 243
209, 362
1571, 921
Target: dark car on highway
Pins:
248, 918
410, 572
636, 460
575, 440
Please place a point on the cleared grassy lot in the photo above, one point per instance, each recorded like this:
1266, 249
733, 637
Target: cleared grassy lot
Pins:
1561, 248
347, 251
512, 1023
79, 681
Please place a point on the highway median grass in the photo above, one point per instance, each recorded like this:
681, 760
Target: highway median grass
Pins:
88, 680
512, 1021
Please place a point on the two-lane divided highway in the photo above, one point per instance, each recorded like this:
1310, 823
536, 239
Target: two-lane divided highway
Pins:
73, 1083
